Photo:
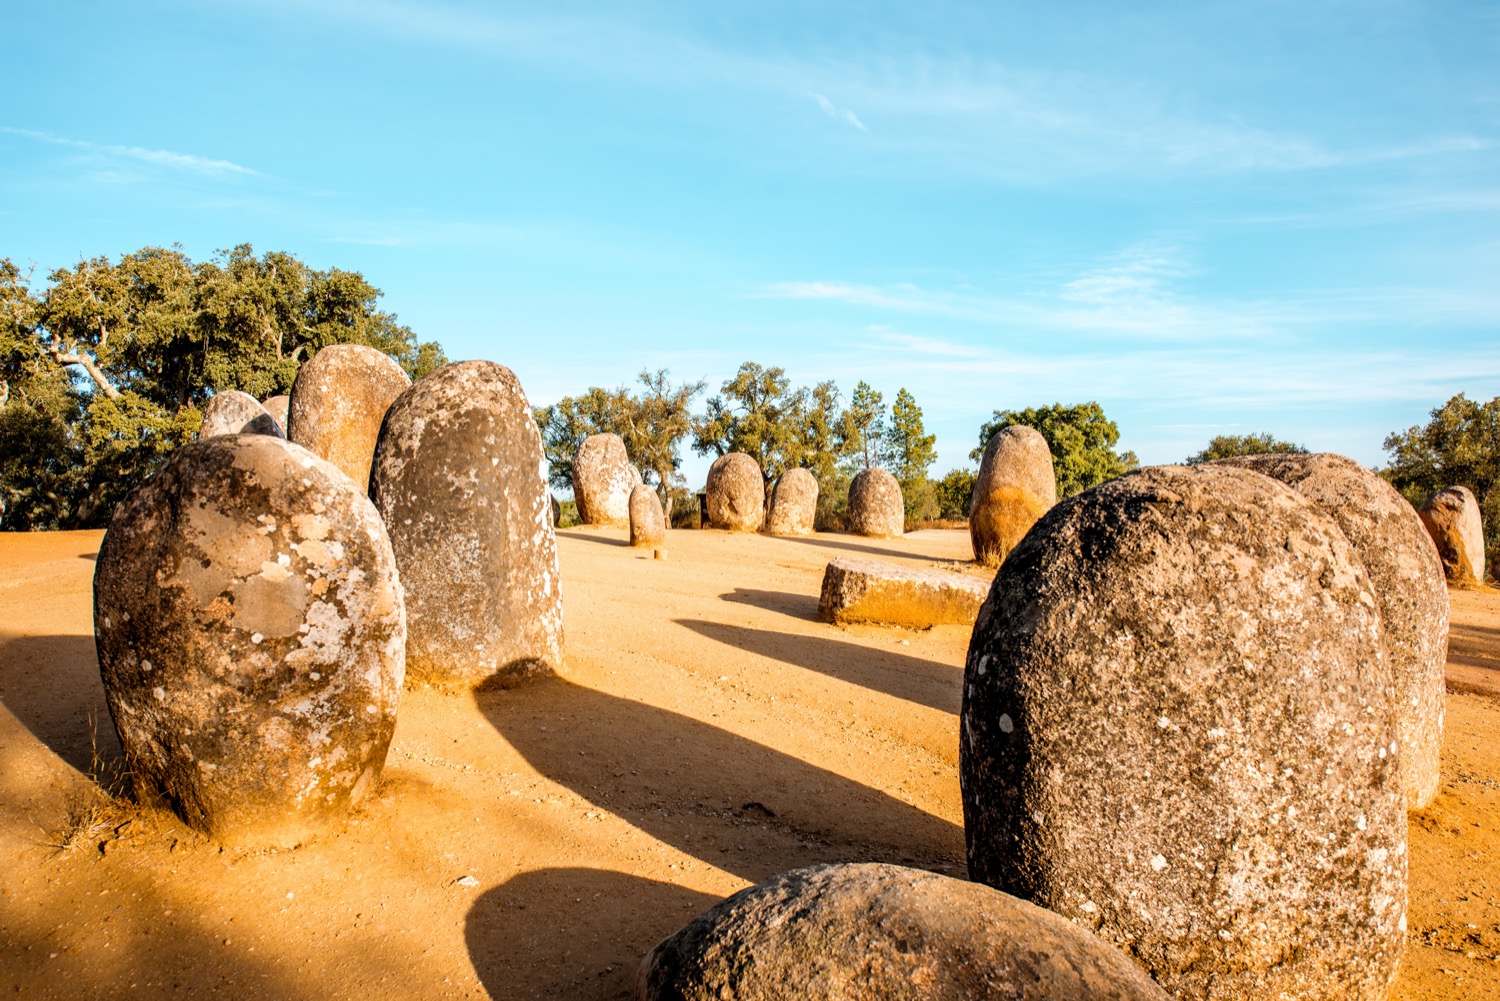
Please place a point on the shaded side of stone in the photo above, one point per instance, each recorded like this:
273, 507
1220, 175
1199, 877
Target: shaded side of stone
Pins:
871, 591
1452, 519
338, 402
603, 478
277, 406
876, 507
794, 503
233, 412
648, 525
1015, 486
735, 493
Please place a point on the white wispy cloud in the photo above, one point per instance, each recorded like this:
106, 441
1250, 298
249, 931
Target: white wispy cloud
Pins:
839, 114
142, 154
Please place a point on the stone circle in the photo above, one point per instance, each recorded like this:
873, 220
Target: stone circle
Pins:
876, 507
603, 478
735, 493
794, 503
338, 401
1015, 486
230, 411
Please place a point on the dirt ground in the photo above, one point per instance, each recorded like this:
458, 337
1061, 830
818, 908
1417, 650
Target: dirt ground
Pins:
710, 733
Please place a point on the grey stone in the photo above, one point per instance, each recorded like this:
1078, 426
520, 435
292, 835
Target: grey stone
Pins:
1179, 730
1016, 486
250, 631
339, 399
602, 480
233, 412
876, 507
277, 406
875, 932
648, 525
1452, 518
794, 503
736, 493
871, 591
457, 477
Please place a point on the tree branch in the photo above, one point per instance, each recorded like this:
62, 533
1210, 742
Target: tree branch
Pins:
88, 365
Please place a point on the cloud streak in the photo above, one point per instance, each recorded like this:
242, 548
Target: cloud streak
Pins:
839, 114
141, 154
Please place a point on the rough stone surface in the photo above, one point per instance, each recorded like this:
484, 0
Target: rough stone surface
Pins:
735, 493
1452, 519
1408, 580
233, 412
876, 507
875, 932
250, 632
1015, 487
457, 477
556, 511
648, 525
603, 478
277, 406
794, 503
871, 591
1179, 729
338, 401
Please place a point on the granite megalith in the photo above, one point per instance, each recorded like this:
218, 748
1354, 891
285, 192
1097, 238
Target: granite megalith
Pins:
277, 406
603, 478
250, 630
1015, 486
457, 477
794, 503
871, 591
338, 401
1179, 730
876, 507
648, 524
735, 494
556, 510
1407, 576
876, 932
230, 411
1452, 518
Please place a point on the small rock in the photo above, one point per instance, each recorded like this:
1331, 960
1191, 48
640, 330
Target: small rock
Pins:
467, 881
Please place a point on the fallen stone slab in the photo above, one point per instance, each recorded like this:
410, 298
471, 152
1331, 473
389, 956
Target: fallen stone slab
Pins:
871, 591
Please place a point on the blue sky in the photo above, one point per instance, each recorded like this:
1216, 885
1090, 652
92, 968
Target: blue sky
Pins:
1210, 218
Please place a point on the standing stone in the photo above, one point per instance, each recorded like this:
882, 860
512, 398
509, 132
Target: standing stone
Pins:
1179, 731
1452, 519
794, 503
233, 412
276, 406
457, 477
1015, 487
251, 634
338, 401
603, 478
875, 505
875, 932
735, 495
556, 511
648, 525
1407, 577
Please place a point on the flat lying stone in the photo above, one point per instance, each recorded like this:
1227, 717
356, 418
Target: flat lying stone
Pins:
871, 591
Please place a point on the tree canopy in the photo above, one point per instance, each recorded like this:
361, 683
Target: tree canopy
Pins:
1081, 438
1227, 446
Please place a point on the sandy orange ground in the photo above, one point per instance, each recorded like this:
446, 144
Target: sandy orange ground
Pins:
710, 733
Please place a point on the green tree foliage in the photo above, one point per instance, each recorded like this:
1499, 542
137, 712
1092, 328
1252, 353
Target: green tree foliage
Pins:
1227, 446
955, 493
864, 426
1081, 438
909, 453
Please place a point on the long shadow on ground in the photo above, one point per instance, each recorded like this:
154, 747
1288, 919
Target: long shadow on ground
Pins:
51, 685
798, 606
846, 542
587, 536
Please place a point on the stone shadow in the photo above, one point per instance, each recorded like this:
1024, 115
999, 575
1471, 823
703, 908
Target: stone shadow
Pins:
828, 540
593, 536
798, 606
51, 685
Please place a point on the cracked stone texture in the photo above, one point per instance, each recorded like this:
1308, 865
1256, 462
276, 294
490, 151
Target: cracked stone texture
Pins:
648, 524
1179, 730
1407, 575
1016, 486
877, 932
794, 503
233, 412
458, 479
876, 507
870, 591
250, 631
603, 478
736, 493
1452, 518
339, 399
277, 406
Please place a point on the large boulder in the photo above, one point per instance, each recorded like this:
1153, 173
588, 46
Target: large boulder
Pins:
338, 401
1407, 577
603, 478
1179, 730
875, 504
250, 632
794, 503
1452, 518
648, 525
230, 411
872, 591
735, 494
875, 932
277, 406
1015, 487
457, 477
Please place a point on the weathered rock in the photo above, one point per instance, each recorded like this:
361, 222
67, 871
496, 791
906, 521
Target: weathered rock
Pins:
1452, 519
556, 511
602, 480
1179, 729
233, 412
794, 503
870, 591
338, 401
1015, 487
648, 525
735, 493
875, 504
250, 633
1407, 577
875, 932
277, 406
457, 477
